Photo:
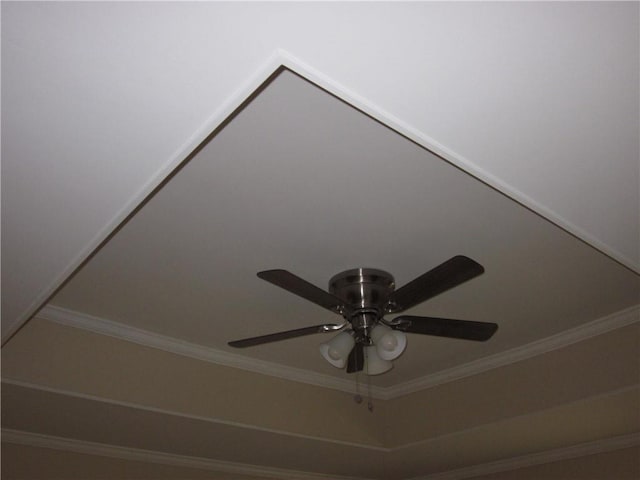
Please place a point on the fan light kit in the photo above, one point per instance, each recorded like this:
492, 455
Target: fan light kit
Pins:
362, 296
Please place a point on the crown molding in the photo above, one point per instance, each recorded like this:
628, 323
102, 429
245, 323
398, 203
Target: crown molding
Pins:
279, 59
539, 347
374, 449
236, 99
148, 456
296, 65
190, 416
180, 347
199, 352
126, 453
540, 458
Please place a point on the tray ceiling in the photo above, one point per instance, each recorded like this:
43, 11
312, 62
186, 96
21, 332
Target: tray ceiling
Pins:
97, 100
301, 180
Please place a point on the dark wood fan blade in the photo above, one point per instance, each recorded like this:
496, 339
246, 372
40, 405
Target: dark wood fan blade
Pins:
355, 363
445, 327
450, 274
276, 337
304, 289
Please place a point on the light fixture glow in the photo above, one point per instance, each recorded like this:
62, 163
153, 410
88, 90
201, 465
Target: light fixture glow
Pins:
389, 343
337, 350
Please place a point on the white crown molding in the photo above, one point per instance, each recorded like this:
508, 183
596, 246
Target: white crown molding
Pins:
278, 59
523, 352
218, 117
126, 453
540, 458
200, 418
148, 456
374, 448
199, 352
220, 357
296, 65
521, 416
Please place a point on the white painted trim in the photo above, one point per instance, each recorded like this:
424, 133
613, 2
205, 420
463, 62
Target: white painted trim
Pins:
199, 352
549, 456
148, 456
281, 58
200, 418
218, 117
521, 416
374, 448
523, 352
298, 66
92, 448
220, 357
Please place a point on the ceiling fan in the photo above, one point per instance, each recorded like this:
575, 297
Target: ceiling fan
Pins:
363, 296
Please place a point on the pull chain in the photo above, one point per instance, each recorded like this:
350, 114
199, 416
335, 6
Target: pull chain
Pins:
357, 397
369, 399
366, 362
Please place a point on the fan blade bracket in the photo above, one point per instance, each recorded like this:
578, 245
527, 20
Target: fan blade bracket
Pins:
398, 323
330, 328
391, 307
340, 309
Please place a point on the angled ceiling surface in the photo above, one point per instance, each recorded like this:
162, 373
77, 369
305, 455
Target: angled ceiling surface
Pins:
538, 99
107, 396
552, 117
301, 180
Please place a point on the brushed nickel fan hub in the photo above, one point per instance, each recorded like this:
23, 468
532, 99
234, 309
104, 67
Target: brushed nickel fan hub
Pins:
363, 288
366, 291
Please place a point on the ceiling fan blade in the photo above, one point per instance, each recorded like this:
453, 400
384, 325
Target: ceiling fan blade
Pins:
304, 289
355, 363
449, 274
445, 327
276, 337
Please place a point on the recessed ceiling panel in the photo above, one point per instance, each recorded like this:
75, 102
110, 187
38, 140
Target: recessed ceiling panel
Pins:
302, 181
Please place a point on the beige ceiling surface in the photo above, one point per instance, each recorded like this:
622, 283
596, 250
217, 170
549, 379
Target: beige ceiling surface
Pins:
37, 462
101, 101
98, 366
302, 181
62, 416
65, 382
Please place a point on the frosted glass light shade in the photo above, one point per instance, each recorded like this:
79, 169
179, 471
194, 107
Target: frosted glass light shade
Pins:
389, 343
373, 364
337, 350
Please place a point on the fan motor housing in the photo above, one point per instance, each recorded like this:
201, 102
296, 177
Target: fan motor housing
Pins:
366, 291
